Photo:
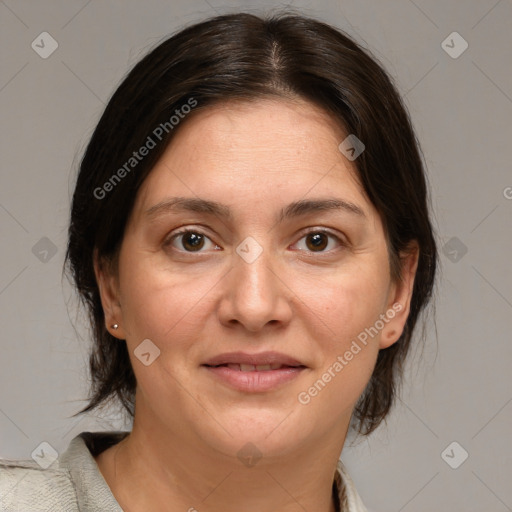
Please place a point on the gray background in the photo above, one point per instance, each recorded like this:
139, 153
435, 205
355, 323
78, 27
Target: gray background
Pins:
456, 389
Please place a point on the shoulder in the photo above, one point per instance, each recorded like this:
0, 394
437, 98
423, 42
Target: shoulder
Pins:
71, 483
24, 485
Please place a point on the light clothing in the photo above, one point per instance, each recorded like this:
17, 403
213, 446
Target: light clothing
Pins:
74, 483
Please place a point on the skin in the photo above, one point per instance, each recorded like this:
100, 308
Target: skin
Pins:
306, 302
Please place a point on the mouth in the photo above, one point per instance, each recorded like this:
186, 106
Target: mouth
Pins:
262, 361
254, 368
254, 373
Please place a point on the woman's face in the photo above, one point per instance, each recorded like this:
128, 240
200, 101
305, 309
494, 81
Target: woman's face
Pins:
269, 265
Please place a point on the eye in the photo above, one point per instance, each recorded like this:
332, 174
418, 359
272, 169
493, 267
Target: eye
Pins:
192, 240
317, 240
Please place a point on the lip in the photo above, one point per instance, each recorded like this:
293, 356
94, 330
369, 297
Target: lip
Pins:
261, 358
254, 381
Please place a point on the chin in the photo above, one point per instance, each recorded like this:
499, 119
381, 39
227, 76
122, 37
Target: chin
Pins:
273, 432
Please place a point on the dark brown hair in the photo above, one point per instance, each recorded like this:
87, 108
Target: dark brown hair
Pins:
246, 57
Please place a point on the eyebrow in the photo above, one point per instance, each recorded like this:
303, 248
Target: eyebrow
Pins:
295, 209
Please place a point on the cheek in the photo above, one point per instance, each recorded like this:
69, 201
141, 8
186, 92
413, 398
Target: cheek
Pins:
345, 303
344, 308
161, 304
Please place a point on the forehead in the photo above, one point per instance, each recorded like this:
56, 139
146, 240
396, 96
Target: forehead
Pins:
265, 149
255, 126
270, 111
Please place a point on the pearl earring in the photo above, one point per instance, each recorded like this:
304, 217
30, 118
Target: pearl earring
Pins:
115, 326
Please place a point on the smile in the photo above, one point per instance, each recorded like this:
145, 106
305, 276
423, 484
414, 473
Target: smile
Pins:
252, 367
249, 378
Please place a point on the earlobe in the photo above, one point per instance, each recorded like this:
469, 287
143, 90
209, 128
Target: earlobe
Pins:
388, 338
399, 304
109, 294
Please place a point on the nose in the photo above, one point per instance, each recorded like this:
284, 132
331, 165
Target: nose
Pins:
255, 294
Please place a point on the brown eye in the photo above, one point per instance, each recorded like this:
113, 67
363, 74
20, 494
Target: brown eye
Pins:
191, 241
317, 241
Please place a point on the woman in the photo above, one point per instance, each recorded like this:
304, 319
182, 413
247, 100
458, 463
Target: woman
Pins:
250, 234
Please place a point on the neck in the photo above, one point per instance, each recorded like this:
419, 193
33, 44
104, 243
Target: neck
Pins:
154, 470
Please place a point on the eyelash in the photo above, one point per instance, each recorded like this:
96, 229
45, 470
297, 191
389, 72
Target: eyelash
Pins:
323, 231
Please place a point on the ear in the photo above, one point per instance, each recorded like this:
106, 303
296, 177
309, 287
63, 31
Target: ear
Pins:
109, 293
399, 297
